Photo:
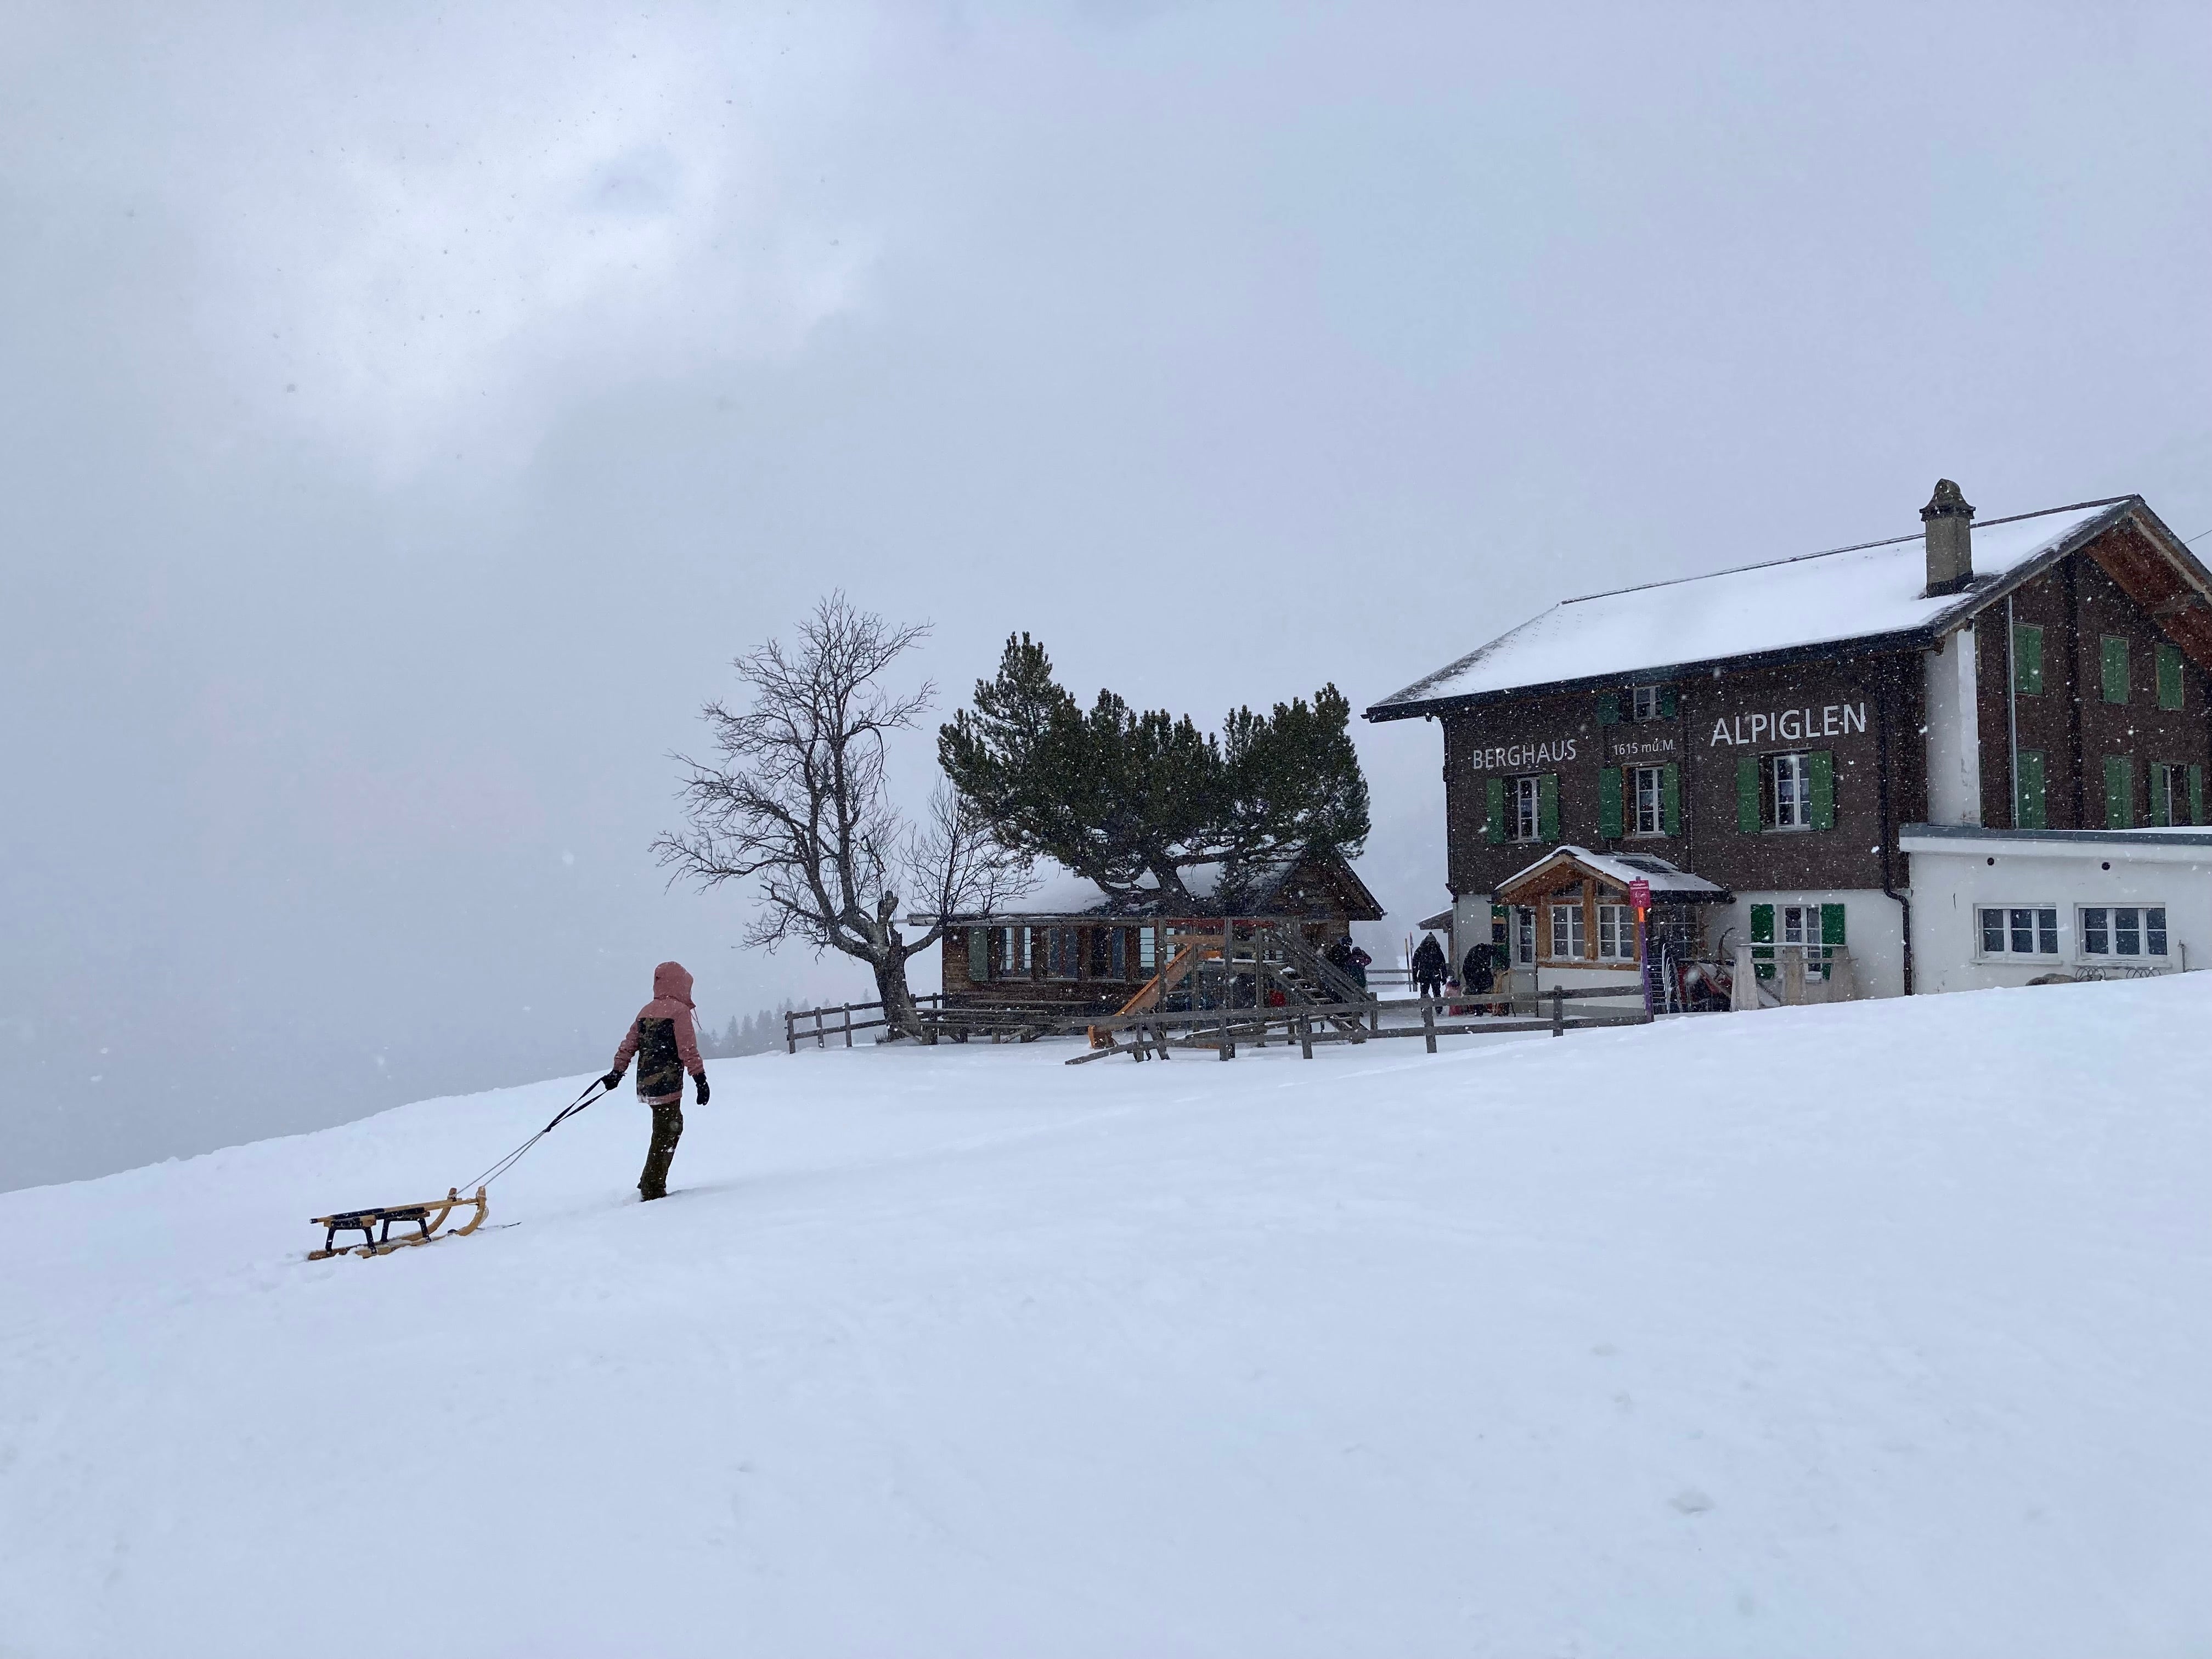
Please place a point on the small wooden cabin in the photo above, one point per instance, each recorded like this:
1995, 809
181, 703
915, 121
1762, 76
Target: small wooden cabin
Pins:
1569, 912
1070, 945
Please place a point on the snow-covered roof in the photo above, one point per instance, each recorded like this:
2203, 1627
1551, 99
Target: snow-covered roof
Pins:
1848, 594
1059, 891
1668, 881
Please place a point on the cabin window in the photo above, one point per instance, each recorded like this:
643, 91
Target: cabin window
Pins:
2122, 930
1524, 934
1643, 703
1616, 934
1110, 953
1063, 956
1013, 952
2177, 794
2020, 931
1650, 791
1524, 807
1792, 784
1148, 947
1567, 931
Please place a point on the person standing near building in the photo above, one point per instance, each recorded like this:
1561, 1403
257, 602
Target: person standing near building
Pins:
1474, 974
1429, 967
666, 1046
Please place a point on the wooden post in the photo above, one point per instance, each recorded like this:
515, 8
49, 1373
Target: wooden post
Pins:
1305, 1036
790, 1036
1228, 984
848, 1025
1558, 1012
1429, 1024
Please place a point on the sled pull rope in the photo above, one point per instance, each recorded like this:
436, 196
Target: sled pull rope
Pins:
567, 1112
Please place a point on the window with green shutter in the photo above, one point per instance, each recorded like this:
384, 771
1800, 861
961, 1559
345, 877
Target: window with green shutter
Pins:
1608, 708
2027, 660
979, 955
1608, 804
2028, 812
2116, 669
1493, 825
2119, 792
1762, 935
1832, 936
1666, 702
2169, 676
1820, 770
1548, 807
2162, 780
1747, 794
1670, 795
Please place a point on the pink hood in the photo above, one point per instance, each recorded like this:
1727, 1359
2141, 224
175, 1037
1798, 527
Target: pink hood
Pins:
671, 983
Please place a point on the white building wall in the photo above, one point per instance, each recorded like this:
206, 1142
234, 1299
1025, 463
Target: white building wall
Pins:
1873, 932
1953, 880
1954, 742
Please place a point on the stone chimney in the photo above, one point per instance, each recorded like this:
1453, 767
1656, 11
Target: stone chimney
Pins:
1948, 523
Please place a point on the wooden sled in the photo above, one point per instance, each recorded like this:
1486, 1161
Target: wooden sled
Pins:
429, 1219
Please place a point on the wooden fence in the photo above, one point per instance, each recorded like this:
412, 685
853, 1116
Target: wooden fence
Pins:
1154, 1033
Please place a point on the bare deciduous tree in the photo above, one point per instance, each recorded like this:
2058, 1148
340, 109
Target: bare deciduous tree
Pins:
796, 802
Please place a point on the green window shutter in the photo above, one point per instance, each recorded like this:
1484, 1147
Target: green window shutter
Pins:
1746, 795
2169, 677
1608, 710
2028, 812
1670, 798
1831, 936
1608, 804
2157, 818
1548, 807
1666, 702
2196, 794
2116, 669
1762, 933
1493, 828
1820, 775
979, 955
2119, 793
2027, 660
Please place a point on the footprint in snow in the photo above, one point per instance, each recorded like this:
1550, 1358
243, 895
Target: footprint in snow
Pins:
1691, 1501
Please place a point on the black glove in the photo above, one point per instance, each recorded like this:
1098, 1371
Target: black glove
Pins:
610, 1081
699, 1083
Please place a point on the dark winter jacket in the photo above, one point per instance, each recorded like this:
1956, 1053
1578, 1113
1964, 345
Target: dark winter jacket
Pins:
1474, 972
662, 1038
1429, 960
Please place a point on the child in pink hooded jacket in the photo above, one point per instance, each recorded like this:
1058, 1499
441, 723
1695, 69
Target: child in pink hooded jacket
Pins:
666, 1046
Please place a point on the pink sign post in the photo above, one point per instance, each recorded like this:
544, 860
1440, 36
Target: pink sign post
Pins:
1640, 895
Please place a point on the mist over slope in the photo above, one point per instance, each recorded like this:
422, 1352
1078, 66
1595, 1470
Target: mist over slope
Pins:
1877, 1327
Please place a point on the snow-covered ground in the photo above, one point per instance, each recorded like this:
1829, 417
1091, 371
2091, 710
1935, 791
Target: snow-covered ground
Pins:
1875, 1329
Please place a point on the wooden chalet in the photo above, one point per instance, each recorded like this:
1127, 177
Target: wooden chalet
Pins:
1070, 947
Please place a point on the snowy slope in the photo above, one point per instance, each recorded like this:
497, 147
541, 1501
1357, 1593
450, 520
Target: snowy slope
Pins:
1882, 1328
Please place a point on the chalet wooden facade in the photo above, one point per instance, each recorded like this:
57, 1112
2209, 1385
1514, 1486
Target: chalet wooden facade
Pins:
1070, 945
1776, 728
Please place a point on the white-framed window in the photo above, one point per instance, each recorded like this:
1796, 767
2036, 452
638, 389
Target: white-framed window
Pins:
1524, 934
2019, 933
2122, 930
1523, 810
1643, 703
1616, 934
1567, 932
1014, 953
1651, 792
1148, 941
1791, 778
1800, 924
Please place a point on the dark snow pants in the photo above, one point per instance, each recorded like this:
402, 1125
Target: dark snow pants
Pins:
667, 1130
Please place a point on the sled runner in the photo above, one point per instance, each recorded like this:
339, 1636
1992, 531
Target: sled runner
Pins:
374, 1225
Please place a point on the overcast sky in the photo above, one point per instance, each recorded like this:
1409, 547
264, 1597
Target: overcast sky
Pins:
407, 412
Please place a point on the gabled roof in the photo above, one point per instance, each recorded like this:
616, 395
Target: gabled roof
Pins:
1862, 599
1254, 887
1670, 883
